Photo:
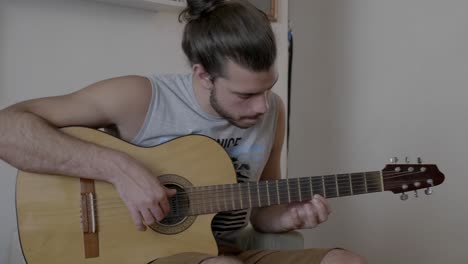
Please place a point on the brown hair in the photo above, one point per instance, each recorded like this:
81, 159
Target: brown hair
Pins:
219, 30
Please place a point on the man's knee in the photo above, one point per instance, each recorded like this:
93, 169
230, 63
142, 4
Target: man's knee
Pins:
222, 260
337, 256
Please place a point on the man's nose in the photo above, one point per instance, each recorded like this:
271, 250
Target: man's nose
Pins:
261, 104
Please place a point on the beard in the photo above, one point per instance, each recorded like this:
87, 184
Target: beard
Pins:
223, 112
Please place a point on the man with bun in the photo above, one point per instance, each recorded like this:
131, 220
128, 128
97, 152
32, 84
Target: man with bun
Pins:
227, 96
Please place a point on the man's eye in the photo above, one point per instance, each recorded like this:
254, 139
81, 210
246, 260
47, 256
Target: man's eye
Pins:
245, 96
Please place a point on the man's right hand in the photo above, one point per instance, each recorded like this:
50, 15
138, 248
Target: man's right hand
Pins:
146, 198
30, 141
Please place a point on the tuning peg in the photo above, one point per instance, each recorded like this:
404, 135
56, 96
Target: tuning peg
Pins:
416, 193
419, 160
428, 191
404, 197
394, 160
407, 160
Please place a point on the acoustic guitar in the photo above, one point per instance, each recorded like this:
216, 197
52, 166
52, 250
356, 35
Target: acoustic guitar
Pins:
70, 220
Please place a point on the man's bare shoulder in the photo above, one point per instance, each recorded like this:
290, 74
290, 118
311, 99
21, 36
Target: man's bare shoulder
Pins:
120, 101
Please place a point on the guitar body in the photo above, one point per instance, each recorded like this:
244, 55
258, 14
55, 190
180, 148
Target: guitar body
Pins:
49, 206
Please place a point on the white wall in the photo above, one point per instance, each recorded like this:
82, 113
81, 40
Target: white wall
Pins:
280, 27
375, 79
52, 47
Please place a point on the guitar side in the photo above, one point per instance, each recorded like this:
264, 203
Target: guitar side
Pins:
49, 209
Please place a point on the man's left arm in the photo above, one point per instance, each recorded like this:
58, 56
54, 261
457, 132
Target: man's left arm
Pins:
284, 218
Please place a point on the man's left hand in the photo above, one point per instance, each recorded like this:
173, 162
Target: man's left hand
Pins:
305, 214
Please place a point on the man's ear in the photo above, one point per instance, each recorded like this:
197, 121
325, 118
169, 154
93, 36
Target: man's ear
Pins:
203, 76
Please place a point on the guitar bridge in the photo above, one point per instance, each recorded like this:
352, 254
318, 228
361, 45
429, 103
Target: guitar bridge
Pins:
88, 219
88, 213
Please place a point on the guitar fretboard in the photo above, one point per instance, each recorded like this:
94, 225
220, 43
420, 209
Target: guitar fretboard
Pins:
228, 197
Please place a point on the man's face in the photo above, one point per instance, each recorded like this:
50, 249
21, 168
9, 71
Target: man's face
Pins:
242, 95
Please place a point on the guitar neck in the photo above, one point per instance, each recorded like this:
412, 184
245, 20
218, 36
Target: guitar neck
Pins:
228, 197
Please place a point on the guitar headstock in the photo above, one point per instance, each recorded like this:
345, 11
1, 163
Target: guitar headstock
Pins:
401, 178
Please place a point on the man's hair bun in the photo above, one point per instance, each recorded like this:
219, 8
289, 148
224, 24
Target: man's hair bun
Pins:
197, 8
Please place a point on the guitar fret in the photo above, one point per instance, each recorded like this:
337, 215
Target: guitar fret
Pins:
205, 198
381, 180
365, 181
350, 185
305, 190
318, 186
232, 196
330, 186
263, 193
311, 188
289, 194
374, 184
294, 190
217, 198
273, 192
252, 190
224, 198
336, 185
210, 199
369, 183
268, 193
193, 207
283, 193
240, 195
357, 181
344, 184
202, 199
222, 202
200, 205
277, 192
250, 196
323, 185
196, 198
299, 186
258, 195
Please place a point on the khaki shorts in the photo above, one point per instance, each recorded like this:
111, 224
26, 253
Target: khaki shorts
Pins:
305, 256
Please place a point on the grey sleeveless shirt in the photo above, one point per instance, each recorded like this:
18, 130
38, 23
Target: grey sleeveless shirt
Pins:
174, 111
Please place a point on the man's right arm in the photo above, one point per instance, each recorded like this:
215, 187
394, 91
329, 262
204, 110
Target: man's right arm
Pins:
30, 141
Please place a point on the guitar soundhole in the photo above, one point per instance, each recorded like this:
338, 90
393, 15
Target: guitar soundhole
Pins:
179, 206
178, 219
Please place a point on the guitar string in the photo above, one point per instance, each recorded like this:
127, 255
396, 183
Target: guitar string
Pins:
194, 199
200, 212
116, 215
99, 208
284, 198
282, 193
217, 206
196, 202
126, 214
174, 216
203, 195
242, 187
